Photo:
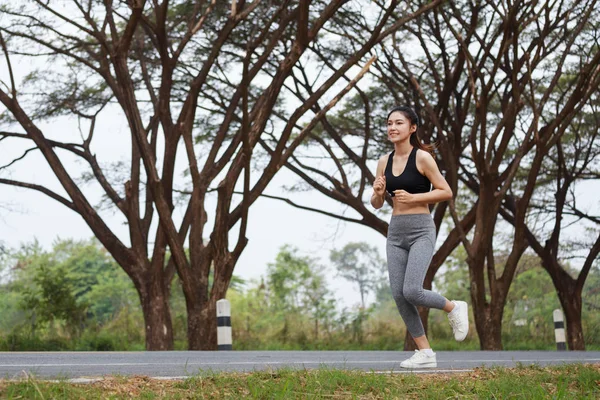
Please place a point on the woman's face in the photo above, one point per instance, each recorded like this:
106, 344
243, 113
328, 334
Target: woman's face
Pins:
399, 127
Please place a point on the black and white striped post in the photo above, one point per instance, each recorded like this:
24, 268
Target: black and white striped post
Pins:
224, 340
559, 329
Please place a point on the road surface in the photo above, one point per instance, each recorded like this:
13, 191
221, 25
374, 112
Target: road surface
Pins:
178, 364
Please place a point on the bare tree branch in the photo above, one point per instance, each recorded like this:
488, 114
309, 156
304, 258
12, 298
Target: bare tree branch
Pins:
40, 188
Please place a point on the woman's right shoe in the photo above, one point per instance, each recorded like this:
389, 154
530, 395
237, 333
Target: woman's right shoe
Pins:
420, 360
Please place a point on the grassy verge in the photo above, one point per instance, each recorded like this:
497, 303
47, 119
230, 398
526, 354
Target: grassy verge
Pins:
564, 382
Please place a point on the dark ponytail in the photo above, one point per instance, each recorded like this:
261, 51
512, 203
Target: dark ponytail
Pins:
414, 120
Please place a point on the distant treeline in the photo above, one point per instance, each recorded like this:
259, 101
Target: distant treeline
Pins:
75, 297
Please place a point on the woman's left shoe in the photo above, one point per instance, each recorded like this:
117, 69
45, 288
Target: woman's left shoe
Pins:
420, 360
459, 320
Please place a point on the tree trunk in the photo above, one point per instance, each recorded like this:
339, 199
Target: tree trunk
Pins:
492, 337
488, 321
570, 299
482, 268
202, 325
571, 304
157, 317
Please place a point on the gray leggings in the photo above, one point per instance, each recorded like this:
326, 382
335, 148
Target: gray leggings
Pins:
410, 246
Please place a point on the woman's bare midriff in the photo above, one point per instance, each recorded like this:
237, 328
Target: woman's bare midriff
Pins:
402, 208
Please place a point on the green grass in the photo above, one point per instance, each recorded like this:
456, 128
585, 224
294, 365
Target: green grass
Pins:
564, 382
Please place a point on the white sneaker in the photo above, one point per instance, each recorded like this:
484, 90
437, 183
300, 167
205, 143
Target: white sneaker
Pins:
459, 320
420, 360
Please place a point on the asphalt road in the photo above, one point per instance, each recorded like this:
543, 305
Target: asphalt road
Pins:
177, 364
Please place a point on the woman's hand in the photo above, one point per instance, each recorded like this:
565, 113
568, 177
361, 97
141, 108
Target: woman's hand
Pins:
379, 186
378, 197
402, 196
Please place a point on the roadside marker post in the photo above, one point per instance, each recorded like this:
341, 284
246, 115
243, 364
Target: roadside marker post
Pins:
224, 339
559, 329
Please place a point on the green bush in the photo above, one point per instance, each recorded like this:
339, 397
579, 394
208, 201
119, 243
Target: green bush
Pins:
20, 342
99, 342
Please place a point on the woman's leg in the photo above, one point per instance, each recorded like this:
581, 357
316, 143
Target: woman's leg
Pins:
422, 342
397, 263
419, 258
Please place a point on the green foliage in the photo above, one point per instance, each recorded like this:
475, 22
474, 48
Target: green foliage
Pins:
591, 308
74, 277
285, 277
259, 323
361, 264
51, 297
350, 121
296, 285
10, 312
62, 93
76, 298
527, 321
293, 308
70, 298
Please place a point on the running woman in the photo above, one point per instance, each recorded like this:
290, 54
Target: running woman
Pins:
407, 174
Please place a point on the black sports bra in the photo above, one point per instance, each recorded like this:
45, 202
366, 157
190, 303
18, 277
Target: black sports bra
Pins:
410, 179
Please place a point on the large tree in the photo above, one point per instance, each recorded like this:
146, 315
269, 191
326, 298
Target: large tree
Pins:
515, 70
497, 85
195, 80
572, 162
